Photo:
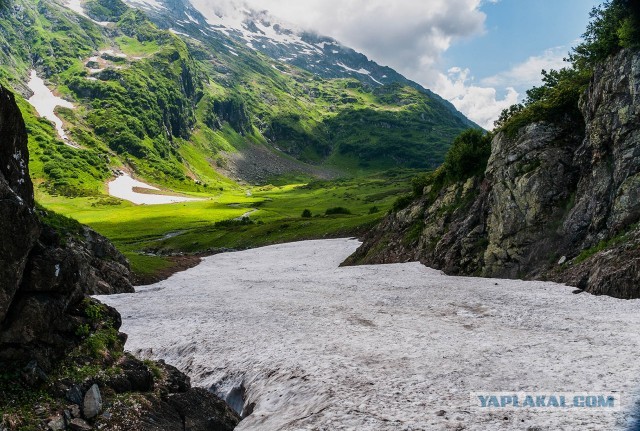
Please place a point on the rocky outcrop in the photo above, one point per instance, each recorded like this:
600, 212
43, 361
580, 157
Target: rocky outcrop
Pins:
44, 274
232, 111
62, 359
557, 201
18, 223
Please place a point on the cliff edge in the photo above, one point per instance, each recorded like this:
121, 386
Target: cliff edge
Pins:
558, 200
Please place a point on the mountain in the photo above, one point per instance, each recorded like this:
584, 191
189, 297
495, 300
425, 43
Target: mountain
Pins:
261, 31
190, 106
558, 198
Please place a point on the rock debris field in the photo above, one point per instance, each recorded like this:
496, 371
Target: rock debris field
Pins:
303, 344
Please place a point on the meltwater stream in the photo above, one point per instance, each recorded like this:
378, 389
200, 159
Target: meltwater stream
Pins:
308, 345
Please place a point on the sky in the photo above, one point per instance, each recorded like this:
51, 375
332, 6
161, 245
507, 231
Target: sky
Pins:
482, 55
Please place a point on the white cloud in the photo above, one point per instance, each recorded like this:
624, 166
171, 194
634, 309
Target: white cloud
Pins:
480, 104
527, 74
408, 35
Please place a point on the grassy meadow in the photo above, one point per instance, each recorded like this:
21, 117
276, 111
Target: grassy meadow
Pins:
149, 234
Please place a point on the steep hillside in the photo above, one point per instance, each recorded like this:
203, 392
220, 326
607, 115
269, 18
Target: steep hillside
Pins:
559, 198
260, 31
190, 113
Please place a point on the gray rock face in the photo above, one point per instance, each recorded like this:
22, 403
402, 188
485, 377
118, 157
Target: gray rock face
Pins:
18, 223
92, 404
609, 159
532, 179
549, 194
43, 277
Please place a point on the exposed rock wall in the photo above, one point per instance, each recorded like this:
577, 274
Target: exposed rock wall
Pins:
43, 275
558, 200
18, 223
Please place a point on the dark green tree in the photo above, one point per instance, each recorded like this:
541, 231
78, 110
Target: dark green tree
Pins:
468, 156
614, 25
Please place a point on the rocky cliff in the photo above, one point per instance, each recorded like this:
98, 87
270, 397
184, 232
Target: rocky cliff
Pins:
45, 273
62, 360
558, 200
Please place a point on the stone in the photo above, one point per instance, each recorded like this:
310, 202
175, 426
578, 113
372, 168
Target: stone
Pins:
79, 425
74, 411
135, 377
56, 423
92, 402
74, 394
562, 260
33, 375
176, 381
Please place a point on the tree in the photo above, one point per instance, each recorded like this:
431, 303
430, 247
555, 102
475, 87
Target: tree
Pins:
614, 25
468, 156
306, 213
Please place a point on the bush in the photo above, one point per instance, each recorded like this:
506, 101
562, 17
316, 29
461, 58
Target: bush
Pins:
468, 156
65, 226
402, 202
556, 100
614, 25
306, 213
419, 182
243, 221
337, 210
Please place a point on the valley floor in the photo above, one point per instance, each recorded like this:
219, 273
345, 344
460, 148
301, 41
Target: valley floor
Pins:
395, 347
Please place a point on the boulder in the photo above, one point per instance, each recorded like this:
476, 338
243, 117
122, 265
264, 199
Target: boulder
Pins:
92, 404
79, 425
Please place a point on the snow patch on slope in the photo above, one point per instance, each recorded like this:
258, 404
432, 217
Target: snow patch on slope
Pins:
45, 103
148, 3
76, 6
361, 71
123, 188
385, 347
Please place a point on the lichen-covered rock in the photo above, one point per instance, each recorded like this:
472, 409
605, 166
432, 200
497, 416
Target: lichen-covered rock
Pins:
92, 404
558, 200
533, 180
